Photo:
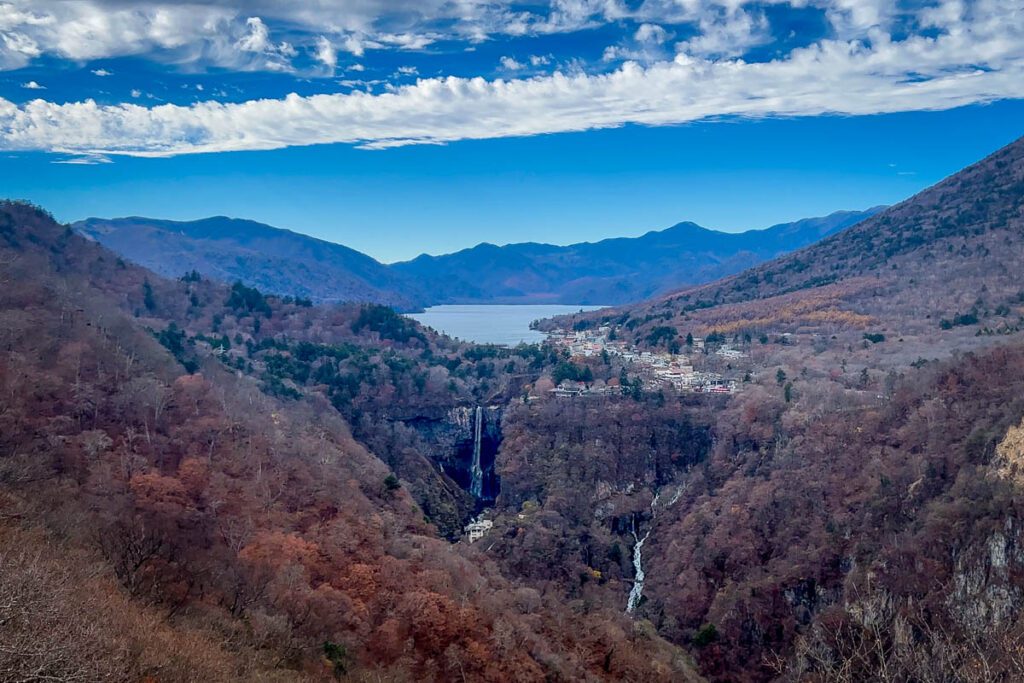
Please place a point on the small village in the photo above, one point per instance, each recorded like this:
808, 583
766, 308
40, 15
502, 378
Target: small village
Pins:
656, 370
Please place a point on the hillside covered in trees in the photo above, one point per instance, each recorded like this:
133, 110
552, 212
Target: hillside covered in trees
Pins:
272, 490
612, 271
172, 511
946, 259
270, 259
853, 512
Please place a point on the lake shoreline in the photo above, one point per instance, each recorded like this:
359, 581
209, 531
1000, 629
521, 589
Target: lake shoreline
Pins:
498, 324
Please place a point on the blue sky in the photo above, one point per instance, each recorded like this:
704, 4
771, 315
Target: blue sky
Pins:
406, 127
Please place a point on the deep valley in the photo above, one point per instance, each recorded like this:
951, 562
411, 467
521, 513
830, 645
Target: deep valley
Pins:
806, 471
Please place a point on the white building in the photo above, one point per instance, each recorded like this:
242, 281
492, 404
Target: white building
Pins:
478, 528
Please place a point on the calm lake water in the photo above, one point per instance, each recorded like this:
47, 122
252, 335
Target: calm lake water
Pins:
507, 325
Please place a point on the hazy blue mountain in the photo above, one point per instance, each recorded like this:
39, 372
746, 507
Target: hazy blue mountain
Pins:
271, 259
612, 271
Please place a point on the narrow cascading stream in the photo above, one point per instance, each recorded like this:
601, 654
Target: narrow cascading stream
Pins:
476, 486
637, 592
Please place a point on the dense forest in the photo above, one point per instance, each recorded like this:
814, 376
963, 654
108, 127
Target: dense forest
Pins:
856, 516
244, 534
266, 489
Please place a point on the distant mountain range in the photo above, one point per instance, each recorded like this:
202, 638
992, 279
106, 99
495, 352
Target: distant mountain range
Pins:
612, 271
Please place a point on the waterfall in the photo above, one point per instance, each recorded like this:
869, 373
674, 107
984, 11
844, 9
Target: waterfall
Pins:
477, 485
639, 575
637, 591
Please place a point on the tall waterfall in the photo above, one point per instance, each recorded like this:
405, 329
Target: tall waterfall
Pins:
476, 487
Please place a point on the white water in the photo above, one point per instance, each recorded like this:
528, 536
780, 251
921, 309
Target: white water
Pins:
637, 591
476, 487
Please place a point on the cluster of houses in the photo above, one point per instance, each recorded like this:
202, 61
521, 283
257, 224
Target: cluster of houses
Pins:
656, 369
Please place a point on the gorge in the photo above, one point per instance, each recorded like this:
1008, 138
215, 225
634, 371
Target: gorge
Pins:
221, 465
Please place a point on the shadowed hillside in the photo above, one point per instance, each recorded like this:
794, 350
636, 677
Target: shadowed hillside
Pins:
851, 511
273, 260
280, 476
945, 259
611, 271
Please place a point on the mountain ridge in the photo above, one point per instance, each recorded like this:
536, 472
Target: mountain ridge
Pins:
614, 270
610, 271
967, 222
273, 259
856, 491
249, 509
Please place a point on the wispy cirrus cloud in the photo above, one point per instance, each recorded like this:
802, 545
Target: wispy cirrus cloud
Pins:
267, 34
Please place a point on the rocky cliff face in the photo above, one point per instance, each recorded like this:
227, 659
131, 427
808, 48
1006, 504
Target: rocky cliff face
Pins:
987, 589
450, 443
988, 581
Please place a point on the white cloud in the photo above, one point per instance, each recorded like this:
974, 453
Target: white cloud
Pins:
729, 34
981, 61
533, 61
970, 53
238, 35
326, 54
354, 44
361, 83
510, 64
616, 52
85, 160
32, 85
407, 71
102, 73
136, 93
257, 40
650, 33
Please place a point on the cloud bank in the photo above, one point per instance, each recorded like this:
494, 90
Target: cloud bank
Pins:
958, 54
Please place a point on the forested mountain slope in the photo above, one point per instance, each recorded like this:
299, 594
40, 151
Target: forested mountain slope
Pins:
608, 272
270, 259
612, 271
948, 257
151, 479
274, 479
852, 512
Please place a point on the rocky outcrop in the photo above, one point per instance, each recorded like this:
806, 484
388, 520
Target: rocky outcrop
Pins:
987, 590
452, 440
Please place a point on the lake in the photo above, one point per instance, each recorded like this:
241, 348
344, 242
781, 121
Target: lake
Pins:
502, 324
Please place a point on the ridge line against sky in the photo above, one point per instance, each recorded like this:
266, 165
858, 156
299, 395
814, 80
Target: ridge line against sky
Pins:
531, 121
560, 244
706, 59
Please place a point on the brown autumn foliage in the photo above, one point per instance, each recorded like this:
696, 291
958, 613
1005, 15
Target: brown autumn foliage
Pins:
793, 521
852, 514
240, 518
66, 619
854, 519
952, 250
